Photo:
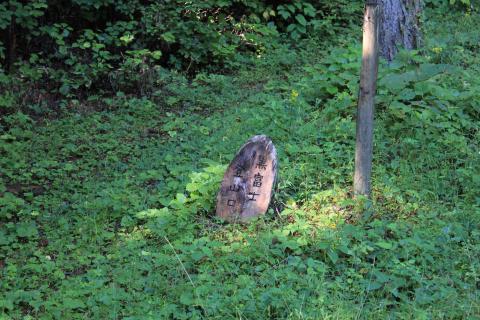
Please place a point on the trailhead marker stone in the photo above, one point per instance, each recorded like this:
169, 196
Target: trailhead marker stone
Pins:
247, 186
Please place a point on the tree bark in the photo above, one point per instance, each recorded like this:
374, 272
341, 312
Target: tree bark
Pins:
399, 26
366, 100
11, 42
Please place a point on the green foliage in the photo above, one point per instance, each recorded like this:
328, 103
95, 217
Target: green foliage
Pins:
296, 14
80, 48
107, 212
446, 5
26, 15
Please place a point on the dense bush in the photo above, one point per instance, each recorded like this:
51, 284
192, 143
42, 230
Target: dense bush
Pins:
76, 45
467, 5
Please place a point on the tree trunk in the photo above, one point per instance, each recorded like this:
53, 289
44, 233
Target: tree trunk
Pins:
11, 42
365, 108
399, 26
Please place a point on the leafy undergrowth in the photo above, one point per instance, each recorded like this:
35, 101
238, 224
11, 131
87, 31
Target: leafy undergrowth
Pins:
109, 214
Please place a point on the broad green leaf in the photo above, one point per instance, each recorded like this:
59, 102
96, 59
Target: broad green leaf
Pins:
384, 245
301, 19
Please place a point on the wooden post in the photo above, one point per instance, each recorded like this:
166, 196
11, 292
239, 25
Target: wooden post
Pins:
366, 100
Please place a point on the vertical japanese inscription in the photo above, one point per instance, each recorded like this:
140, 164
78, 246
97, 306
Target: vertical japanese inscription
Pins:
234, 187
257, 178
262, 163
246, 188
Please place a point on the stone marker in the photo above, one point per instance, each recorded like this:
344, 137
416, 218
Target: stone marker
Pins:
247, 185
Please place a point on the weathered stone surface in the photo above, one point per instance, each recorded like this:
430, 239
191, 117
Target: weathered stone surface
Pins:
247, 185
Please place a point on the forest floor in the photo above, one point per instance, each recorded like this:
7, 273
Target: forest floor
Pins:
109, 214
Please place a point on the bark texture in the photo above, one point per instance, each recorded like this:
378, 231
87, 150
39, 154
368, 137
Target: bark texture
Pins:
399, 26
11, 42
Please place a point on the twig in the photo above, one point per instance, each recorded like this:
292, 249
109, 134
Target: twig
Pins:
181, 263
